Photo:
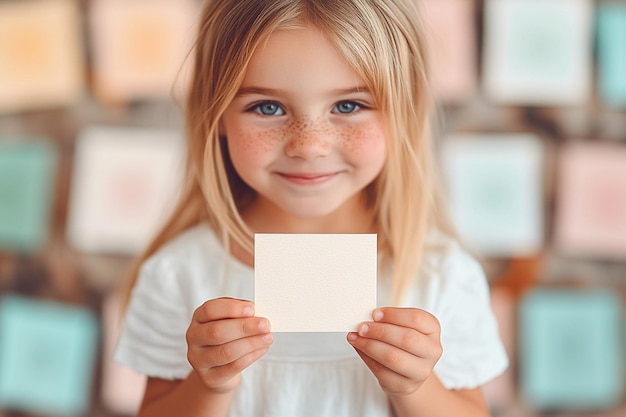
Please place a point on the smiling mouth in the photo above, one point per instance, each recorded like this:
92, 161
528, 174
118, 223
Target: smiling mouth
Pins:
307, 179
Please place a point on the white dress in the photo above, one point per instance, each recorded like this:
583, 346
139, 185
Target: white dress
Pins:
304, 374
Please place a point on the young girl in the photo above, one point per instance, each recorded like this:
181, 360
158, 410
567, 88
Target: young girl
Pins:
309, 116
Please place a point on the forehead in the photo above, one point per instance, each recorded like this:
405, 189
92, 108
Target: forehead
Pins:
301, 57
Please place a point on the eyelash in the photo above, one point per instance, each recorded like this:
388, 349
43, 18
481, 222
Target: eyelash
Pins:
255, 107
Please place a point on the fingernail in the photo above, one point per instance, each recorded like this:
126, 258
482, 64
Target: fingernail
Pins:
248, 311
268, 337
352, 336
263, 325
378, 315
363, 328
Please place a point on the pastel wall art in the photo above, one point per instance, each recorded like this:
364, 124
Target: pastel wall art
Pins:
27, 183
140, 47
125, 181
47, 356
538, 52
591, 201
570, 349
452, 47
495, 188
315, 282
611, 34
41, 54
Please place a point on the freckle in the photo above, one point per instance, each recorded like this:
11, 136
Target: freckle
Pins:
263, 141
353, 138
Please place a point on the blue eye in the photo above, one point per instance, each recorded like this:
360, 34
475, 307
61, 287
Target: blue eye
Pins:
346, 107
269, 108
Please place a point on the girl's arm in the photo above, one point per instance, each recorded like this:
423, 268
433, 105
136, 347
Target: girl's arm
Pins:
401, 347
223, 339
433, 399
188, 397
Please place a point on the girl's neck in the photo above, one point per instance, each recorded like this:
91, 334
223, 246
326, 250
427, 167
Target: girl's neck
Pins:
352, 217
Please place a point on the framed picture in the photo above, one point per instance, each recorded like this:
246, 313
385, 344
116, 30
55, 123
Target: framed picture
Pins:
452, 47
591, 200
611, 29
41, 58
495, 188
141, 47
47, 356
124, 182
570, 349
27, 183
538, 52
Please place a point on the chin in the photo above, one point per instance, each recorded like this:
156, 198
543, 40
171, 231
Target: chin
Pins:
309, 210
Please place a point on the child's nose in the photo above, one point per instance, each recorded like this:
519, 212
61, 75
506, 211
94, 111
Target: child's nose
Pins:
308, 141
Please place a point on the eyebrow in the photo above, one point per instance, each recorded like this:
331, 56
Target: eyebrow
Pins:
243, 91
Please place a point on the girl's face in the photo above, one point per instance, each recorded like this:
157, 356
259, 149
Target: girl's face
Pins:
303, 130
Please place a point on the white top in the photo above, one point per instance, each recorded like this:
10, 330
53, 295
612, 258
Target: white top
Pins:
304, 374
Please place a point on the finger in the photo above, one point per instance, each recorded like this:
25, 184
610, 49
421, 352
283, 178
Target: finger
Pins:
405, 338
391, 381
223, 308
227, 330
235, 350
226, 372
393, 359
414, 318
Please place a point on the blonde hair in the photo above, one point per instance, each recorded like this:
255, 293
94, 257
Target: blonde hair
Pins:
383, 41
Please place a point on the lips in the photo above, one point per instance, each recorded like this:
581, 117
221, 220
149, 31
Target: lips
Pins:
307, 178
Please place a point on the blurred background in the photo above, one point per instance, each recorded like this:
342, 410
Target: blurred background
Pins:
531, 139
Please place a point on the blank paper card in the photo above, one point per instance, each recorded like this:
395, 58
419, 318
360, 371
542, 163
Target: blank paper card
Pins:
315, 282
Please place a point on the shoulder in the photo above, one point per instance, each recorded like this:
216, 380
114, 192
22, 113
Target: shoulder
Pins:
193, 248
446, 261
182, 262
194, 267
198, 241
449, 275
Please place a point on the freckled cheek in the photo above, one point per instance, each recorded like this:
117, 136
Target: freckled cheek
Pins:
251, 145
363, 141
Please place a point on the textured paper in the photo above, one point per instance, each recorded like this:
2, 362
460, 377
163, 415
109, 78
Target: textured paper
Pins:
140, 47
315, 282
27, 180
47, 356
122, 387
125, 181
452, 47
571, 349
538, 52
611, 53
41, 62
495, 185
591, 200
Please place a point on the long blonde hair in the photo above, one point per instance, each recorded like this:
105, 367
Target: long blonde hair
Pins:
383, 41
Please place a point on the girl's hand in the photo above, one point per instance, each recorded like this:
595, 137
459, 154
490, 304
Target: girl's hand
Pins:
401, 347
224, 338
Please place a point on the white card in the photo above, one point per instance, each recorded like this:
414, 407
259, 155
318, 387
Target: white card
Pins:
315, 282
